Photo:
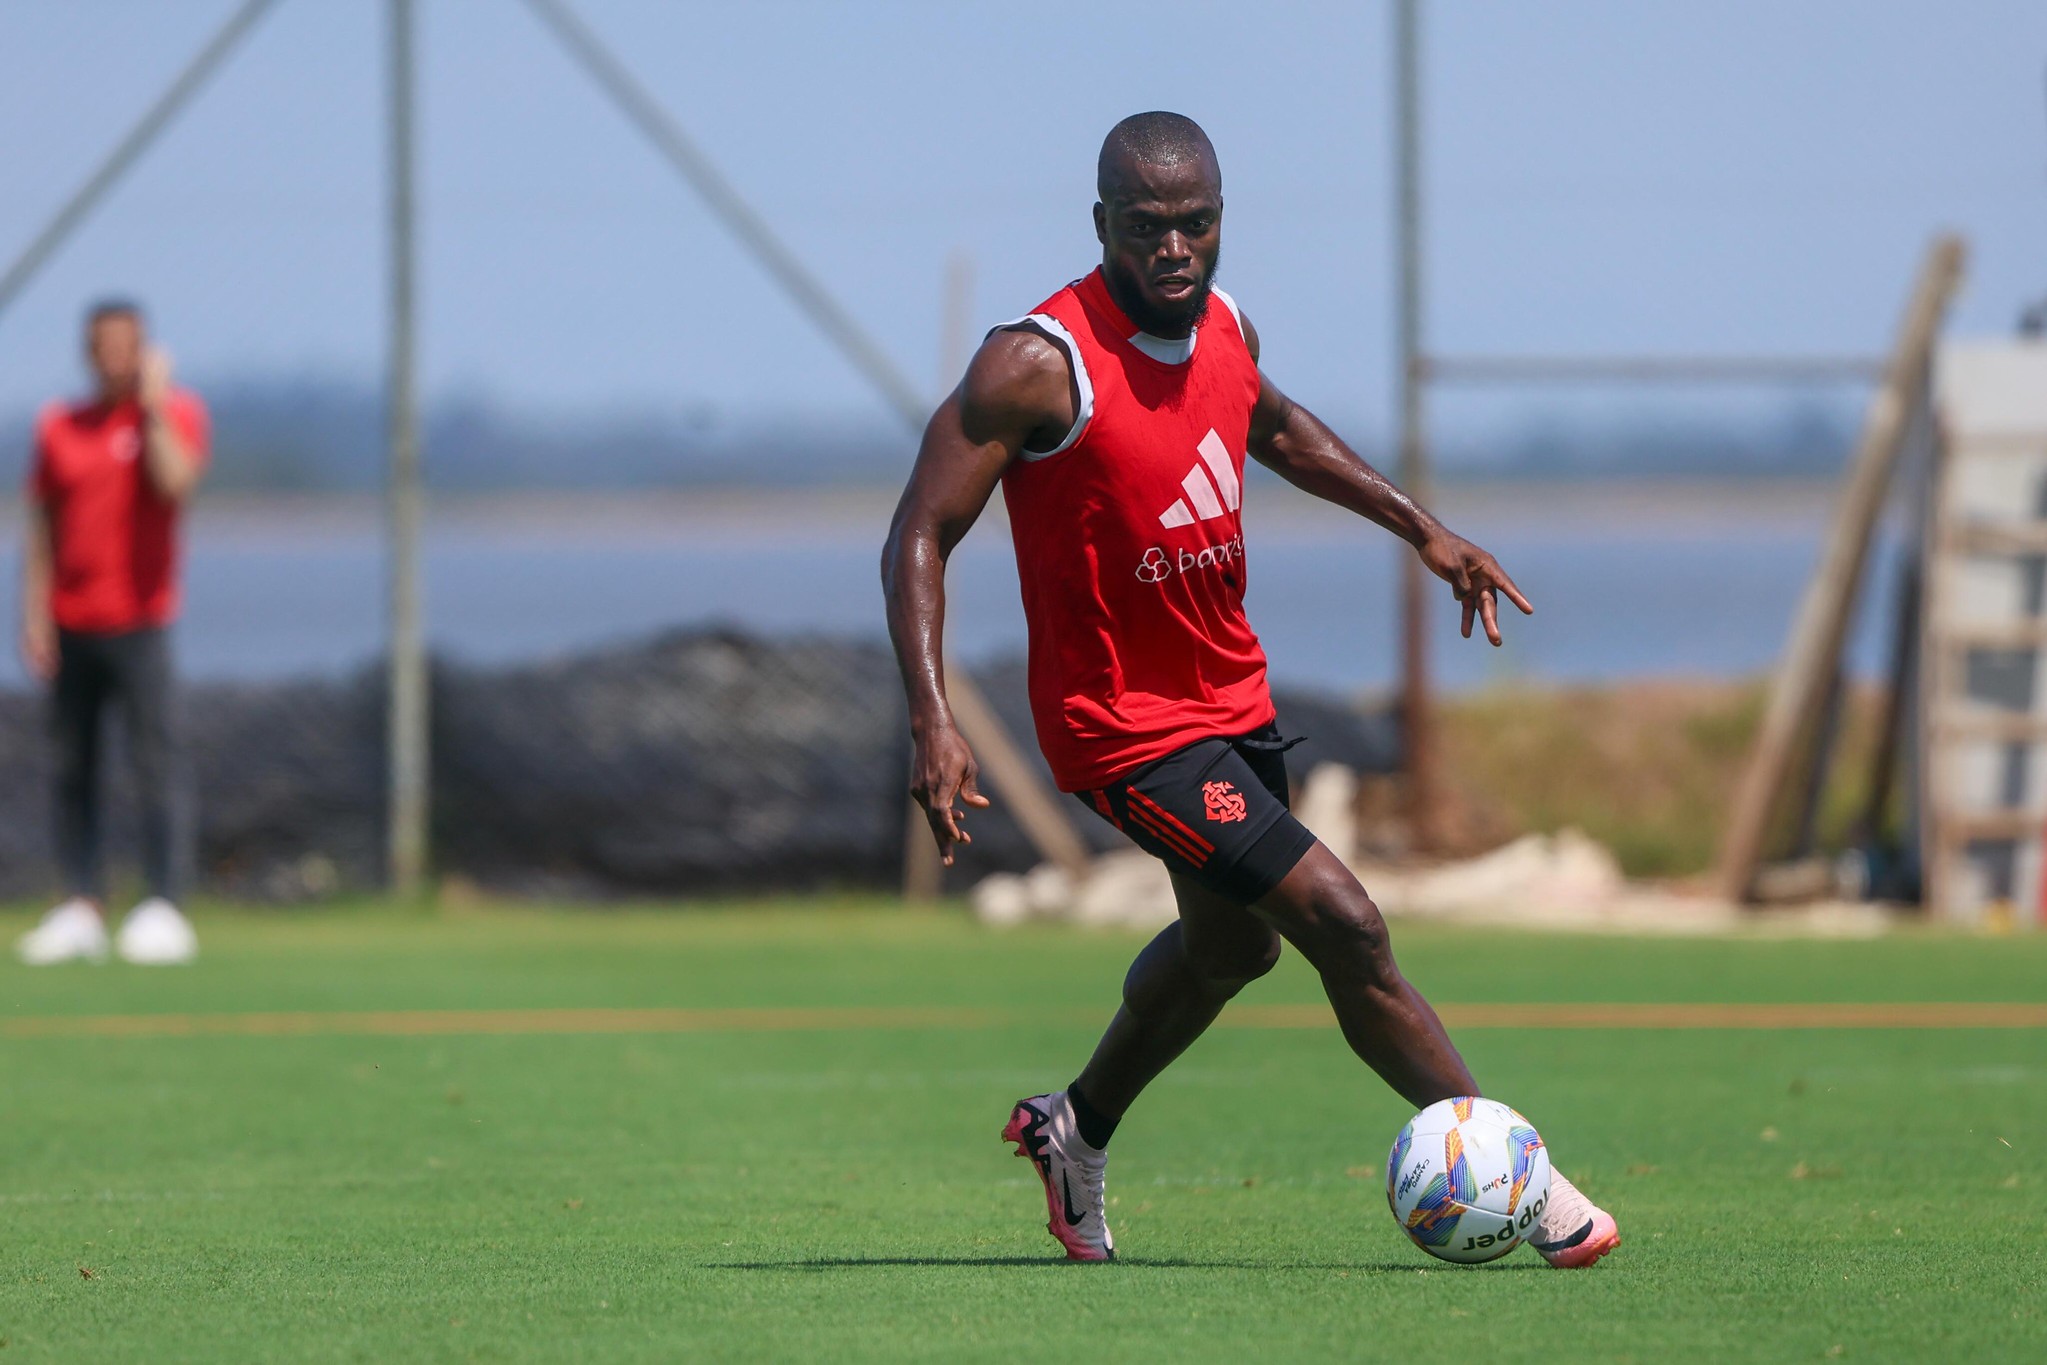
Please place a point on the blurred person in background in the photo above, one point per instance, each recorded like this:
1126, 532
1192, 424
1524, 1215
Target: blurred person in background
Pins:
99, 589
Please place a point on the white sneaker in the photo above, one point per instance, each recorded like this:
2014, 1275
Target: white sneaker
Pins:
156, 935
72, 932
1044, 1130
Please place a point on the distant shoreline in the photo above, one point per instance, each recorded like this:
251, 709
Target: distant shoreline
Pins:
1687, 579
1664, 502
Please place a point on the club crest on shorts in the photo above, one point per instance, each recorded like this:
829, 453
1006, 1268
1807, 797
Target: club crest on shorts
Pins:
1223, 802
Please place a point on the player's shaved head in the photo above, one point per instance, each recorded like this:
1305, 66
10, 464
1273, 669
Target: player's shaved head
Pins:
1159, 220
1156, 140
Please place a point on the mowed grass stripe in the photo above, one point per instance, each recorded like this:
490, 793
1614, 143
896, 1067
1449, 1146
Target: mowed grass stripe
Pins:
438, 1023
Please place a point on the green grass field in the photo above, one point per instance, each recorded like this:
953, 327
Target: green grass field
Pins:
334, 1184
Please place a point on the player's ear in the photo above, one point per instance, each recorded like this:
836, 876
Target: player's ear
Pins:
1101, 224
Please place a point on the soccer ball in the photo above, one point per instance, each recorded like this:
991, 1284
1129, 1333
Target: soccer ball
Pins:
1467, 1179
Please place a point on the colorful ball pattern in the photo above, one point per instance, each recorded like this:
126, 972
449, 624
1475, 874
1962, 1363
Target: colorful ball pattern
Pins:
1467, 1179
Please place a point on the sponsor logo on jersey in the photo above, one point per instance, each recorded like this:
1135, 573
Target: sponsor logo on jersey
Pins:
1211, 493
1158, 564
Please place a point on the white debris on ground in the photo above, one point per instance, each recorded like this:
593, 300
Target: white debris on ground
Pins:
1564, 881
1127, 889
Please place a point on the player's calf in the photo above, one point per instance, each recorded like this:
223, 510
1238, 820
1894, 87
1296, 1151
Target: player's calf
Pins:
1322, 910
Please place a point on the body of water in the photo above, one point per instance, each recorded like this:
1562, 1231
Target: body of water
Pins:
1627, 582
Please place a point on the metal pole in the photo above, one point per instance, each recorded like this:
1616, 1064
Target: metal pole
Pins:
1417, 732
407, 722
153, 121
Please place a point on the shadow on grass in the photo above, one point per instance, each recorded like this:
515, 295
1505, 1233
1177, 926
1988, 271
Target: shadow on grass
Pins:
1050, 1263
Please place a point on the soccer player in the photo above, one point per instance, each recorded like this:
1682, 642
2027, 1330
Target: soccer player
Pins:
1117, 416
99, 587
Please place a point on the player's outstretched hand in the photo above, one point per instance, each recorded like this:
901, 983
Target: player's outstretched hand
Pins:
943, 774
1477, 579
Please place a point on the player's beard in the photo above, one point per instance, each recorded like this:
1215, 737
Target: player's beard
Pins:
1159, 321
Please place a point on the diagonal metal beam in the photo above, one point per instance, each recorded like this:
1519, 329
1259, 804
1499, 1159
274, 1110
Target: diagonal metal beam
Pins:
682, 152
1036, 807
128, 149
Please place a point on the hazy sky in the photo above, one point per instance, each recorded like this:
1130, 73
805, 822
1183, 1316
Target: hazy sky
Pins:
1603, 175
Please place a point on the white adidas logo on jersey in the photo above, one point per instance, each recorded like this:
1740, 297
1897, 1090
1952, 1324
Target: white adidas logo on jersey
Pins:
1205, 501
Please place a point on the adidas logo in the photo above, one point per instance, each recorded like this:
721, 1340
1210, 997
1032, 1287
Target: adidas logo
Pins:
1206, 501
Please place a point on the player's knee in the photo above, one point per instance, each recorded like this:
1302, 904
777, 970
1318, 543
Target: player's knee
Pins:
1234, 965
1343, 929
1358, 932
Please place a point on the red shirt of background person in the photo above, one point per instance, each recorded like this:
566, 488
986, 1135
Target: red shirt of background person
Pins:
110, 476
114, 536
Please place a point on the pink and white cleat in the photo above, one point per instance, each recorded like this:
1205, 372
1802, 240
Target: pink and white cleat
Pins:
1574, 1232
1043, 1129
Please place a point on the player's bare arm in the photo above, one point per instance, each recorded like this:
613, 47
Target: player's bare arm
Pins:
1297, 445
1017, 395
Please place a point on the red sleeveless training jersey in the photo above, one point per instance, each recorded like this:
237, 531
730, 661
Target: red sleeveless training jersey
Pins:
1130, 546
